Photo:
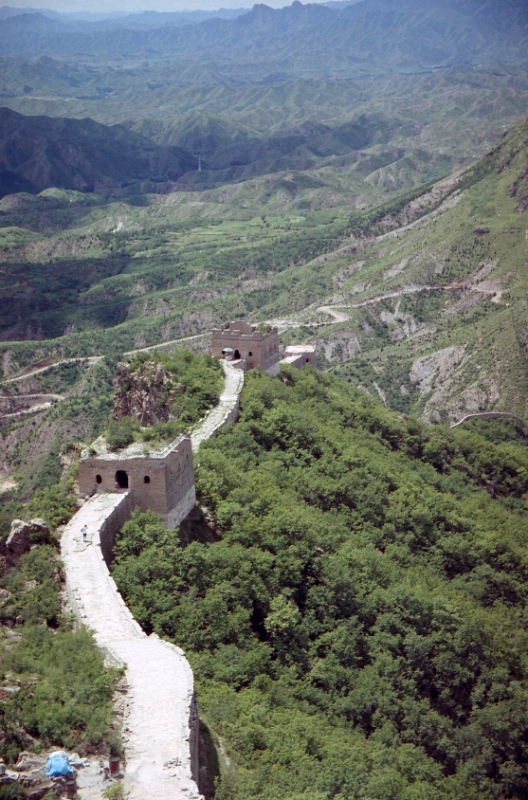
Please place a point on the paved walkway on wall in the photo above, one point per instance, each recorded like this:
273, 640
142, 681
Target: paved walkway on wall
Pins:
160, 726
227, 409
160, 680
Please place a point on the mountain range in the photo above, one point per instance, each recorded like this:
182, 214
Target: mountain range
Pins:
37, 153
366, 38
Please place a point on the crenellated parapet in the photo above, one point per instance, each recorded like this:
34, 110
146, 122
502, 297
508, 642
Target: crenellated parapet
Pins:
255, 346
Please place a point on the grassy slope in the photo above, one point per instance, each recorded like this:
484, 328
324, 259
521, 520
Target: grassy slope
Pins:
470, 343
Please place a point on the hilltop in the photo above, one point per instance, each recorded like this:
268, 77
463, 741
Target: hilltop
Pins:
38, 153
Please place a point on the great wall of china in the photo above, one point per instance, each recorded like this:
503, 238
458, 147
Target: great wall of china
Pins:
161, 719
161, 722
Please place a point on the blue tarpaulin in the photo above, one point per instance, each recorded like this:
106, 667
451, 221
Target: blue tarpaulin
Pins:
58, 765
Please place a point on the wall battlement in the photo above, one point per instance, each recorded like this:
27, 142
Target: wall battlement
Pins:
162, 481
241, 341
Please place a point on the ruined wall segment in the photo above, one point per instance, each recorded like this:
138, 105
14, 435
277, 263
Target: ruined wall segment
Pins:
162, 481
300, 356
241, 341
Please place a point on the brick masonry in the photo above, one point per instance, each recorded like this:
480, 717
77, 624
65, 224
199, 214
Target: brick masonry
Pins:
161, 725
163, 481
247, 343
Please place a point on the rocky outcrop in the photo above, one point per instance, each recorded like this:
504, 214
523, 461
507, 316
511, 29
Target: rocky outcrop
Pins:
146, 393
21, 537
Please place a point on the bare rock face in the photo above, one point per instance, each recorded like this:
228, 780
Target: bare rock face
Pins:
20, 539
146, 394
28, 761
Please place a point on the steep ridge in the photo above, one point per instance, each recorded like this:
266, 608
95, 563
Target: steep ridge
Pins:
436, 308
41, 152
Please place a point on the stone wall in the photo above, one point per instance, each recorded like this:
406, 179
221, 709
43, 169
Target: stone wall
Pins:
300, 356
162, 718
255, 348
112, 524
161, 725
227, 410
163, 481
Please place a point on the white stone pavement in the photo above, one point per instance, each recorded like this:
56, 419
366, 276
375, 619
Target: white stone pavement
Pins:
160, 680
227, 409
161, 723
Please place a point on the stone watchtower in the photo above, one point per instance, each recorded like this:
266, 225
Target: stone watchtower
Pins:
247, 345
162, 480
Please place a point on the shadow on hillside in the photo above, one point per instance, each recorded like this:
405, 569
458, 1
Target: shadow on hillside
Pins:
196, 528
209, 763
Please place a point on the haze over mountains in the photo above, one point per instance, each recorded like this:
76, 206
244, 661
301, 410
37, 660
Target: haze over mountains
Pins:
369, 38
167, 173
352, 588
37, 153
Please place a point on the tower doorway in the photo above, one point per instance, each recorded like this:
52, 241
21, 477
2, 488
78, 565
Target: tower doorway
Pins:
121, 479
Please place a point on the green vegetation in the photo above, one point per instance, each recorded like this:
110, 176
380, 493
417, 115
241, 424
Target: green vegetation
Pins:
114, 792
353, 592
60, 693
192, 385
120, 433
355, 617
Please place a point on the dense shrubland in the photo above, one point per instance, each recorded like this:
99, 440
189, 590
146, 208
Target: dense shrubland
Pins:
356, 614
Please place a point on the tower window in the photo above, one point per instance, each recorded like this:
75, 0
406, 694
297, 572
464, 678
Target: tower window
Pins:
146, 479
98, 479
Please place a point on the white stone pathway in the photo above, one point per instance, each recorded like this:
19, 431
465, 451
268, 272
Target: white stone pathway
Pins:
227, 409
160, 680
161, 723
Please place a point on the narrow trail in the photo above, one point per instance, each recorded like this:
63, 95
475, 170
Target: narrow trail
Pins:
91, 359
396, 293
161, 718
94, 359
489, 415
339, 316
166, 344
46, 401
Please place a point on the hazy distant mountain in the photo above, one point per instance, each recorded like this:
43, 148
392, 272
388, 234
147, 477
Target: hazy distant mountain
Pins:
140, 21
39, 152
366, 37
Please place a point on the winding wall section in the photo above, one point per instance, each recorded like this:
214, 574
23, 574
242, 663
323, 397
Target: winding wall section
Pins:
161, 721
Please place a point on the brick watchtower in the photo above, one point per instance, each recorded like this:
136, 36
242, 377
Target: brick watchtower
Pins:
250, 345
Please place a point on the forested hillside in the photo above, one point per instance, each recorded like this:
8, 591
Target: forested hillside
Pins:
351, 588
352, 599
